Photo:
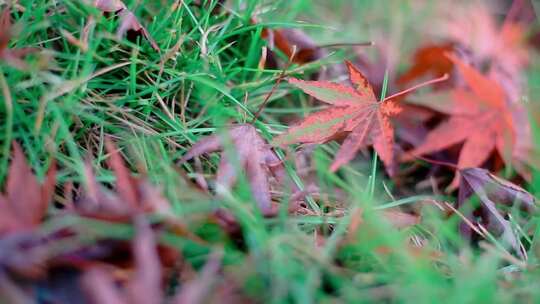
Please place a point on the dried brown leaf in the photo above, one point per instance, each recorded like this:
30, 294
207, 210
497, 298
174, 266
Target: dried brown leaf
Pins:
23, 190
13, 57
26, 200
254, 155
492, 191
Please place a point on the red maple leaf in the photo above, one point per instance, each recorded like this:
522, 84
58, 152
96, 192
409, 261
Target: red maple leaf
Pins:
429, 59
481, 118
356, 111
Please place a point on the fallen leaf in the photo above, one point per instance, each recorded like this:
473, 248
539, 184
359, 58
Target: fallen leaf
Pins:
503, 47
492, 192
129, 24
125, 184
254, 155
144, 286
10, 292
354, 110
429, 59
290, 41
13, 57
25, 202
199, 289
480, 118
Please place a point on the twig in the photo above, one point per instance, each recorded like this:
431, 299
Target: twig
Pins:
436, 162
278, 81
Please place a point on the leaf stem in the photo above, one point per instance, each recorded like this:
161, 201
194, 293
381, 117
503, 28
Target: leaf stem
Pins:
274, 87
333, 45
423, 84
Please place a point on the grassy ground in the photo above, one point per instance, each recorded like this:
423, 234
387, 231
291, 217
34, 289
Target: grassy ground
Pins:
156, 105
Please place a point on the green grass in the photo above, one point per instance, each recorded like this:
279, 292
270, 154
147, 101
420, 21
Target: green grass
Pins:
155, 109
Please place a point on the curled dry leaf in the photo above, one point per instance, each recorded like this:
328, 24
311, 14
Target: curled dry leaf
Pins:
25, 202
129, 24
481, 118
492, 192
355, 110
290, 41
255, 156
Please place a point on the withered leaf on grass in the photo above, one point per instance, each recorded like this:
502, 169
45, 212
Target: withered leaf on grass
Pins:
255, 156
13, 57
492, 192
129, 24
25, 202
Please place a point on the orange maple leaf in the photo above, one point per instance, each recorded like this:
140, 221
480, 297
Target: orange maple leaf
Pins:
429, 59
355, 110
502, 47
480, 118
